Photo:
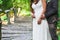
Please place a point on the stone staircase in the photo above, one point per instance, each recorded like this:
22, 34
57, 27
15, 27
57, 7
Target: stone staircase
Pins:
20, 30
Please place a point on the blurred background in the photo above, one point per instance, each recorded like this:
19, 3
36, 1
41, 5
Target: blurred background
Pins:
13, 8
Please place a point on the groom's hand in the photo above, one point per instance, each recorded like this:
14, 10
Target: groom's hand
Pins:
42, 16
39, 21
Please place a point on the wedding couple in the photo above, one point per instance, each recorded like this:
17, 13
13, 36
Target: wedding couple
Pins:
44, 19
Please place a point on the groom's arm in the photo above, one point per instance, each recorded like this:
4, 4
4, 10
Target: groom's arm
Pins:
53, 9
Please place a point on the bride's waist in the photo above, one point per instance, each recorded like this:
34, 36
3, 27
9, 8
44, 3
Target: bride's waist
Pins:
38, 10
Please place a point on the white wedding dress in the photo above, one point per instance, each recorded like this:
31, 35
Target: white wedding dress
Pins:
40, 31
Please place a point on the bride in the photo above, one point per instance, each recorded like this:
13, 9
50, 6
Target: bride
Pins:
40, 26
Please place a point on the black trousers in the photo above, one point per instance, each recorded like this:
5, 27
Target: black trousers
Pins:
52, 29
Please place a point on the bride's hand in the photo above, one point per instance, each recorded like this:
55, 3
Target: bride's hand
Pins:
33, 16
39, 21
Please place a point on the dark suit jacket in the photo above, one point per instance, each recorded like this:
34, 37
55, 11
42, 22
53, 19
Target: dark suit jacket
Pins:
52, 11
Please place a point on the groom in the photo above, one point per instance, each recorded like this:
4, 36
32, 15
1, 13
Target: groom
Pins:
51, 15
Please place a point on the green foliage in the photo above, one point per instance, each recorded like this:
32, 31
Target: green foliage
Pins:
23, 4
58, 24
59, 8
6, 4
1, 1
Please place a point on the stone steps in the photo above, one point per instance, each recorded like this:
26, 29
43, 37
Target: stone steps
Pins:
20, 30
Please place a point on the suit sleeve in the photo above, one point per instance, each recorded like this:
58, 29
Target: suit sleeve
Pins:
53, 9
